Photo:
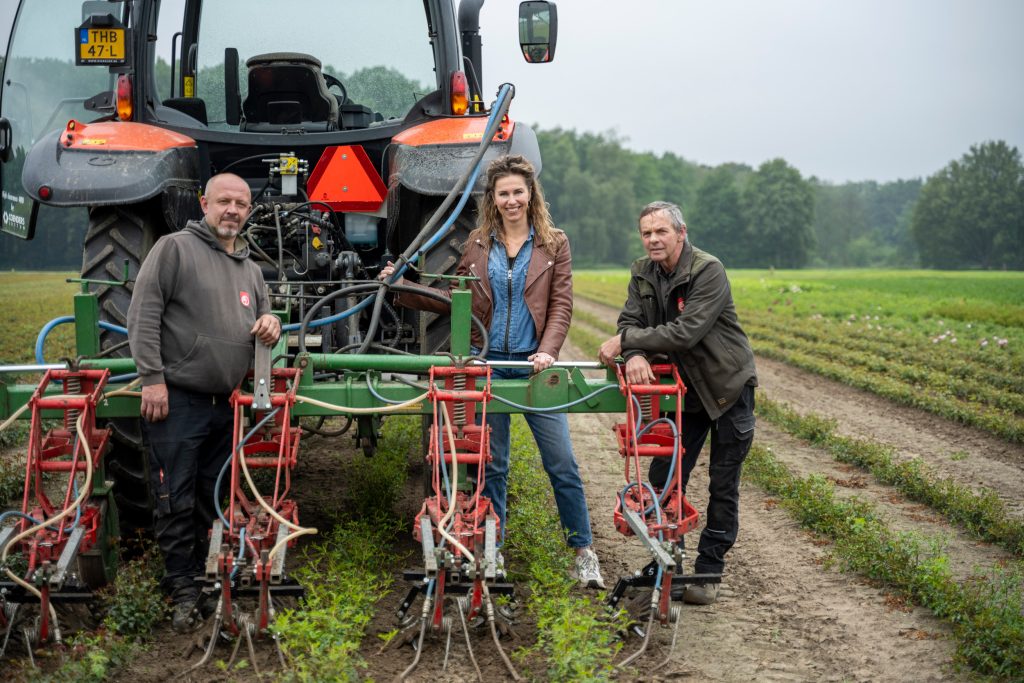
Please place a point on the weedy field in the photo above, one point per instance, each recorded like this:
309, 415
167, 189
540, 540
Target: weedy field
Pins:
882, 509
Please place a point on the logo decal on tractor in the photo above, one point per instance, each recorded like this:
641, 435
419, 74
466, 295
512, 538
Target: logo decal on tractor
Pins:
243, 296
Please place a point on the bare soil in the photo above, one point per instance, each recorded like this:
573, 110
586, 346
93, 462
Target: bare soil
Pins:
782, 615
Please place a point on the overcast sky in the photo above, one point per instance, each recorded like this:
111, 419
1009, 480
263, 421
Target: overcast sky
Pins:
844, 90
851, 90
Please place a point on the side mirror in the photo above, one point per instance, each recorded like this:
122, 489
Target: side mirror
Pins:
538, 30
6, 143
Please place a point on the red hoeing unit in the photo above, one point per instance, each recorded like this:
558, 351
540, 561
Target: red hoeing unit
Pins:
61, 450
643, 405
252, 529
465, 517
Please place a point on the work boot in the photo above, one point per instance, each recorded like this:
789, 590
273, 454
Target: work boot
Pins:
588, 569
184, 615
701, 594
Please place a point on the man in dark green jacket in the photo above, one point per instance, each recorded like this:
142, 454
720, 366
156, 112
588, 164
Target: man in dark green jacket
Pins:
680, 306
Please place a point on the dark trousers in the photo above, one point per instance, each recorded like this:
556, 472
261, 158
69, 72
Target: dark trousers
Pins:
731, 436
186, 453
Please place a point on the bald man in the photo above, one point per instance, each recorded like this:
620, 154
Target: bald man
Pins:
197, 303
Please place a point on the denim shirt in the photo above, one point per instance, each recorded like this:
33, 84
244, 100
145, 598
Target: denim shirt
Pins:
512, 328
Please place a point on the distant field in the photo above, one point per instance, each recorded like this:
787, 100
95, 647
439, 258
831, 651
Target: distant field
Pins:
951, 343
29, 300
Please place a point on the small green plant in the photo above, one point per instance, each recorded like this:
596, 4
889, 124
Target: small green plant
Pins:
986, 612
345, 572
575, 636
134, 601
957, 456
981, 512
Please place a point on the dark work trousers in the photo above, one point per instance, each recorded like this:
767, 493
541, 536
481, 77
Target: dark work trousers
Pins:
731, 436
186, 453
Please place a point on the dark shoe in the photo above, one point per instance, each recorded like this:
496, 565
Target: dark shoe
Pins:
185, 617
701, 594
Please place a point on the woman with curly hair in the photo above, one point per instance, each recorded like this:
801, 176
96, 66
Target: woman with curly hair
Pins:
523, 295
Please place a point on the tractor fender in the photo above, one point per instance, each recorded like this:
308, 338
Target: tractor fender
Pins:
428, 159
109, 163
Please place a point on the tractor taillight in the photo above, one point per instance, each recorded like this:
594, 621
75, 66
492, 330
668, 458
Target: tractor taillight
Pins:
124, 97
460, 94
45, 192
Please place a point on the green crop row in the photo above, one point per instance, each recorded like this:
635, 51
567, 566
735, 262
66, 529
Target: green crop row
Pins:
986, 612
982, 513
923, 363
1007, 427
937, 384
347, 572
575, 637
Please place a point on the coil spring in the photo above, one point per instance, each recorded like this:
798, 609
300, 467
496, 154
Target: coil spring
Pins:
72, 385
459, 407
645, 407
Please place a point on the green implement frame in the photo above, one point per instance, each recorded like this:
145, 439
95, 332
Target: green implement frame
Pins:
560, 388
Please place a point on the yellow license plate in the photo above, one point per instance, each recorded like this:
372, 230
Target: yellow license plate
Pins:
101, 46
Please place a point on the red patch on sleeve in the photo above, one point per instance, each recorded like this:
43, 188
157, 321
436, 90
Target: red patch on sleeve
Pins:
243, 296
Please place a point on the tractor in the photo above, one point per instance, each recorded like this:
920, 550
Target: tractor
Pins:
353, 122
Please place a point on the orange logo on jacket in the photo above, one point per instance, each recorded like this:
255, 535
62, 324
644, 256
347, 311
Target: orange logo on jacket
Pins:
243, 296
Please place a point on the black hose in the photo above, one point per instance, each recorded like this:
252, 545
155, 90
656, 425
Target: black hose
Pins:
485, 143
370, 288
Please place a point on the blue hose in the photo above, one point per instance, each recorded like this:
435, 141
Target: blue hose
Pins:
62, 320
224, 467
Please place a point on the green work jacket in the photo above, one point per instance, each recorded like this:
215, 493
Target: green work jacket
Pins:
695, 325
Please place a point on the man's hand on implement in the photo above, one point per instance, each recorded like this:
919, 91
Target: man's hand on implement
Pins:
267, 328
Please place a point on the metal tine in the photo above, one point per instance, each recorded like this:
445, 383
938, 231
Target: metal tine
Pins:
675, 634
427, 604
494, 635
463, 606
447, 649
252, 650
647, 636
218, 620
25, 632
10, 625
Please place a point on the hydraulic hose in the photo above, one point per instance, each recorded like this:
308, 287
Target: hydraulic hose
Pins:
62, 320
369, 287
465, 184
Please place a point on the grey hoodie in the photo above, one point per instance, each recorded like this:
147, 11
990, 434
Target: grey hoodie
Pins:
192, 308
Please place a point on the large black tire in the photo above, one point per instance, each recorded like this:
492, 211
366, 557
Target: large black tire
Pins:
435, 329
116, 234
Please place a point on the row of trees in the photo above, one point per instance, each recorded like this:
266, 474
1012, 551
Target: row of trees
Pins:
968, 215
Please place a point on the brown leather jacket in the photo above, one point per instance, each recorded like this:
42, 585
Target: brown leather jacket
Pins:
548, 291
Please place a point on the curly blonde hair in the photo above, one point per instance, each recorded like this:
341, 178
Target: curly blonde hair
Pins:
545, 234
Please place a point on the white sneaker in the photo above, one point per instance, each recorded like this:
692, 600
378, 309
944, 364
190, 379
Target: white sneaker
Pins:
588, 569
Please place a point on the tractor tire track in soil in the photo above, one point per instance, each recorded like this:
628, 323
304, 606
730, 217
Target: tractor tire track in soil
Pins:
782, 615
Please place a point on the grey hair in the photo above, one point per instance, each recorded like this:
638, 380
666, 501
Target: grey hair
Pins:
672, 212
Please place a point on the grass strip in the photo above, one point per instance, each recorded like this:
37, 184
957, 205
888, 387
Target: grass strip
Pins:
981, 512
986, 612
575, 637
346, 572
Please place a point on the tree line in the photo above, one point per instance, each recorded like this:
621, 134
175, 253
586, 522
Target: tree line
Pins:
968, 215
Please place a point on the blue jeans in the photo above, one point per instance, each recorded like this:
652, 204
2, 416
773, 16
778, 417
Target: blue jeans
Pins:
551, 432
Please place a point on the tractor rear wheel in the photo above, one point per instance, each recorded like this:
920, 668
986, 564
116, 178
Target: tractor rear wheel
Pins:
435, 329
117, 234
